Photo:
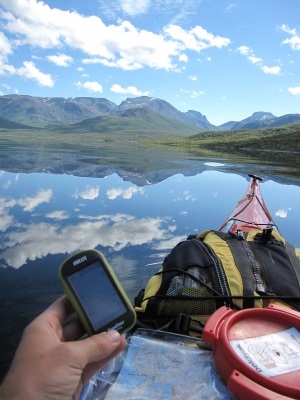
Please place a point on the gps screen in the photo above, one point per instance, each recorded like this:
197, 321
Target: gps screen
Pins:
97, 295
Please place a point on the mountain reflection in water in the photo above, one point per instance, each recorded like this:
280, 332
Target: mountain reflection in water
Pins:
46, 217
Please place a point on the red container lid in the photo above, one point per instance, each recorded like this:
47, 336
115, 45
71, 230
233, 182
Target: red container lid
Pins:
257, 351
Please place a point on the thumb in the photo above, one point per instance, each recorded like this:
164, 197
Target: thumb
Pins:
99, 347
95, 352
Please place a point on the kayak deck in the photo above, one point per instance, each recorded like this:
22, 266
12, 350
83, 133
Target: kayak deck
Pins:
250, 213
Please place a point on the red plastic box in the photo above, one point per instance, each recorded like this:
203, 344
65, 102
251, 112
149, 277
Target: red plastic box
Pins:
257, 351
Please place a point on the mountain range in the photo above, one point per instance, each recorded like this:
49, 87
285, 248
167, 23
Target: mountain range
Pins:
22, 111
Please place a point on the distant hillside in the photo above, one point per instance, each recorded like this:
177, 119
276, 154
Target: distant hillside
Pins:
259, 120
227, 126
141, 122
273, 122
257, 117
164, 108
55, 111
284, 138
7, 124
49, 112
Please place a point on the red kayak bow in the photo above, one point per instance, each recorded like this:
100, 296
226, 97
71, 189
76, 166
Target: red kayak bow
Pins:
251, 213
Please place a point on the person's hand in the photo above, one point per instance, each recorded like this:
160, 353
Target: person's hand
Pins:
50, 364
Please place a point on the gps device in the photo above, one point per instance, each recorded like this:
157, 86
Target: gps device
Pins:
95, 293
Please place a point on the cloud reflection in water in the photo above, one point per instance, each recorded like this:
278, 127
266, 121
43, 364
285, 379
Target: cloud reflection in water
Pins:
37, 240
30, 236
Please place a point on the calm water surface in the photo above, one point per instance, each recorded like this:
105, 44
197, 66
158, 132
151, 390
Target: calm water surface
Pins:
134, 220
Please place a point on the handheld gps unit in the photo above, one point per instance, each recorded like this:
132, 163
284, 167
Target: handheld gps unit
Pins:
95, 293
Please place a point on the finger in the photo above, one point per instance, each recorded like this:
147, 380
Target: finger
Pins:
92, 368
72, 330
99, 347
60, 308
56, 313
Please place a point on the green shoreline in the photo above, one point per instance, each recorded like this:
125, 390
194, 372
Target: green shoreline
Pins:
283, 138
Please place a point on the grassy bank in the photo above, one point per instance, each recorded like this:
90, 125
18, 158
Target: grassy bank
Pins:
282, 139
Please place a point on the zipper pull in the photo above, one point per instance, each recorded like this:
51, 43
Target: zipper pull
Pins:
240, 234
260, 288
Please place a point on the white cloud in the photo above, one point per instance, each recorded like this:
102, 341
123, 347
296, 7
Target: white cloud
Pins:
211, 40
230, 7
113, 193
5, 47
286, 29
178, 10
134, 7
271, 70
30, 203
294, 41
186, 197
124, 46
38, 25
254, 60
282, 213
93, 87
61, 60
30, 71
7, 184
89, 193
116, 88
58, 215
169, 243
294, 90
249, 53
35, 241
122, 63
6, 221
195, 93
183, 58
195, 39
27, 71
245, 50
193, 77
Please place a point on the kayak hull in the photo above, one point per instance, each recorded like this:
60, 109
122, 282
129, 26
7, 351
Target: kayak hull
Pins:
251, 212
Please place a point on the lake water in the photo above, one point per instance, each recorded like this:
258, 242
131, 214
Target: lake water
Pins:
133, 216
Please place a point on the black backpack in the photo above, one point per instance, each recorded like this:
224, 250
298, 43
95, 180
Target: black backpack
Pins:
214, 269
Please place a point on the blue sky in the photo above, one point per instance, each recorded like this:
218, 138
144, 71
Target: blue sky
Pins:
225, 59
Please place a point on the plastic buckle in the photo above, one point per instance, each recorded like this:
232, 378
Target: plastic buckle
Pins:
183, 323
266, 234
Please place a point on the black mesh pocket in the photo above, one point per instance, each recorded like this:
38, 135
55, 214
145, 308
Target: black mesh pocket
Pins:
192, 279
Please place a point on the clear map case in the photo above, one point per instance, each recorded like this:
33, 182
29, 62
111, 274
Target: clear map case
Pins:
158, 365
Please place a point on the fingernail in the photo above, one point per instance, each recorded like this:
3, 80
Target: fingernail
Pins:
114, 336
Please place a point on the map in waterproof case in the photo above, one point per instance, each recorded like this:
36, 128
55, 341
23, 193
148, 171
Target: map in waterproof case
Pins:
155, 369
